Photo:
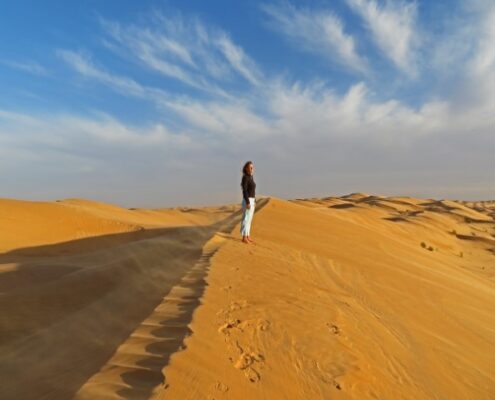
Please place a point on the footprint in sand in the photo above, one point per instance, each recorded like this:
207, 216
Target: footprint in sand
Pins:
233, 330
237, 305
233, 306
221, 387
252, 375
247, 359
245, 363
263, 325
231, 323
333, 328
254, 324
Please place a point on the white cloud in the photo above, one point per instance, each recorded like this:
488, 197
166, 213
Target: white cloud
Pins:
238, 59
319, 31
481, 69
101, 129
51, 156
30, 67
483, 63
466, 51
232, 121
352, 135
186, 50
393, 28
307, 130
107, 129
84, 65
126, 86
280, 109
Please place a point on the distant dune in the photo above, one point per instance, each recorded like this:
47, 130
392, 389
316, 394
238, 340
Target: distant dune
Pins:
352, 297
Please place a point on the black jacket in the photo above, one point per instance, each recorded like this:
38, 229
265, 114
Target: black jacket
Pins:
248, 187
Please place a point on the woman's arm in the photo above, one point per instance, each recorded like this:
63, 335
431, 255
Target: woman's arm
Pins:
245, 195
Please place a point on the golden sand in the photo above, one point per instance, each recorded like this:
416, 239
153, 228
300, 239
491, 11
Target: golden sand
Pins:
356, 297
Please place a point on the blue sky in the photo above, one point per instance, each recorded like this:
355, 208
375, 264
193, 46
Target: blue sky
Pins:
159, 103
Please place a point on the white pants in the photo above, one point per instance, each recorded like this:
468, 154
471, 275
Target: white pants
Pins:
247, 216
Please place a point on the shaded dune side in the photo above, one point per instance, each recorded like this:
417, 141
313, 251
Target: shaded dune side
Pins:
66, 307
346, 303
135, 369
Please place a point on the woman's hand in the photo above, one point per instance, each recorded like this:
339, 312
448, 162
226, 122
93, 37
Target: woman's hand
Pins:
248, 206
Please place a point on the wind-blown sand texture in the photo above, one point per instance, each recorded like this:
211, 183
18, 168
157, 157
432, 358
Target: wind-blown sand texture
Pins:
352, 297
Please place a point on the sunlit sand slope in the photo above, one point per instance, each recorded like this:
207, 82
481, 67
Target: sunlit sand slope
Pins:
358, 297
26, 224
352, 297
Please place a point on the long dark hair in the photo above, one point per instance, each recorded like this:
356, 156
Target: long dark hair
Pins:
244, 169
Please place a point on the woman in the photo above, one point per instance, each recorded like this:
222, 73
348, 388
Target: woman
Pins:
248, 200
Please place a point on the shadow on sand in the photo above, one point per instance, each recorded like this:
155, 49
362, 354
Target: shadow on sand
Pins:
66, 308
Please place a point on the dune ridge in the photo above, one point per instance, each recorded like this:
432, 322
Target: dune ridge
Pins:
353, 297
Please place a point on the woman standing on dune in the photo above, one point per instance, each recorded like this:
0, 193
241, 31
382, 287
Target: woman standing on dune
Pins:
248, 200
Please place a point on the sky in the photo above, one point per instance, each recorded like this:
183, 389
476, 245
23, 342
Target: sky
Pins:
160, 103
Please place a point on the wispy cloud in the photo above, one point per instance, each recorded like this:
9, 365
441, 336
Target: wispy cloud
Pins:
232, 121
287, 108
393, 27
30, 67
281, 123
238, 59
96, 156
484, 60
83, 64
481, 67
101, 129
197, 55
318, 31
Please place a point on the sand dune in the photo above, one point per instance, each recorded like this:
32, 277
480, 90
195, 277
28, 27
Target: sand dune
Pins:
78, 277
353, 297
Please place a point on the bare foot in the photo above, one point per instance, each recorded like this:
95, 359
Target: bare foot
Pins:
251, 240
245, 240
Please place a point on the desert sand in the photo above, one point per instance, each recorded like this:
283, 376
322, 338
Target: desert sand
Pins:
353, 297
